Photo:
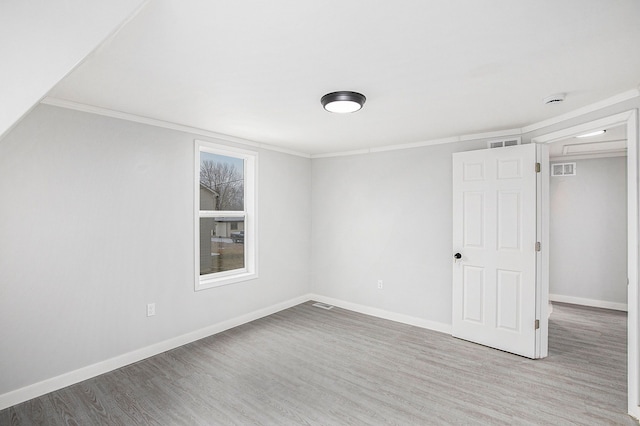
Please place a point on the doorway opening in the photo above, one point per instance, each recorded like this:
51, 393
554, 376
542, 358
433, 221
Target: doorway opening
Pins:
629, 122
588, 220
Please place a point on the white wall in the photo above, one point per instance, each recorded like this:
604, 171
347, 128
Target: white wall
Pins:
97, 221
588, 233
386, 216
42, 41
83, 195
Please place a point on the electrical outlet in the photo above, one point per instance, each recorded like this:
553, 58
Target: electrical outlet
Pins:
151, 309
379, 284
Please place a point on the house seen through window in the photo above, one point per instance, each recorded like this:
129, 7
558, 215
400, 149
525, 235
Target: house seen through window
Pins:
225, 215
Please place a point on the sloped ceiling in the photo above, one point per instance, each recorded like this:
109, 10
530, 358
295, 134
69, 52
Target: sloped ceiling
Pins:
42, 41
430, 70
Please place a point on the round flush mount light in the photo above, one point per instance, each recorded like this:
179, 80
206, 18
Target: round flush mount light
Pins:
343, 102
590, 134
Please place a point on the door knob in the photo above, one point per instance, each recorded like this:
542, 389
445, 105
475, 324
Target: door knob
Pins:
457, 256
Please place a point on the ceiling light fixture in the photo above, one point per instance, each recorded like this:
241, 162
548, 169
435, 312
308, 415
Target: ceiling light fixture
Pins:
343, 102
588, 135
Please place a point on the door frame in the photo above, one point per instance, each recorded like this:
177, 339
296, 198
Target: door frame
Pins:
542, 257
630, 119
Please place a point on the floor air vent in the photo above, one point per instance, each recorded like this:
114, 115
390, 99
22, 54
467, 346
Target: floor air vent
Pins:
322, 305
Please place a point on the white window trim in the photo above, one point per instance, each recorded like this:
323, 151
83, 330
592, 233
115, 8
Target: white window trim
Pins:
250, 271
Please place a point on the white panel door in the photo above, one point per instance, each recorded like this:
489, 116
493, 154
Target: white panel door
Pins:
494, 236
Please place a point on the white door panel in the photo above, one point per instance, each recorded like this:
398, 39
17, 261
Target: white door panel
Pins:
494, 220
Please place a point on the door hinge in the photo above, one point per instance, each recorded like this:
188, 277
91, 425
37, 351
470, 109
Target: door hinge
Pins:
537, 324
537, 167
538, 246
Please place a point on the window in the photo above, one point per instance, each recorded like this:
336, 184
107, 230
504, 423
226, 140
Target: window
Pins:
225, 218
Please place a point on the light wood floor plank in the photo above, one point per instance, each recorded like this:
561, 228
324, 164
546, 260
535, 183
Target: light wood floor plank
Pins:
309, 366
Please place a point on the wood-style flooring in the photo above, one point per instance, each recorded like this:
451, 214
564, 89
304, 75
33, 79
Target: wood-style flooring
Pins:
309, 366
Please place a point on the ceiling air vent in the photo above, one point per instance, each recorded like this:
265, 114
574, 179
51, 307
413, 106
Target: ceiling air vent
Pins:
555, 98
504, 142
563, 169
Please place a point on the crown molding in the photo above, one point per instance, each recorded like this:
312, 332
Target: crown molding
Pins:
385, 148
605, 122
621, 97
62, 103
563, 158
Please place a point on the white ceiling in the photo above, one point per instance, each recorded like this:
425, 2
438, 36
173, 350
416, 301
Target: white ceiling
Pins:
610, 144
430, 70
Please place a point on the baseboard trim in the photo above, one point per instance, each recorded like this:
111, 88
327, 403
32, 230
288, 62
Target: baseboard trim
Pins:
381, 313
588, 302
67, 379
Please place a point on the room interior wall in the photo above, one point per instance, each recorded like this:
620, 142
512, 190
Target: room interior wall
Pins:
588, 233
86, 195
97, 221
387, 216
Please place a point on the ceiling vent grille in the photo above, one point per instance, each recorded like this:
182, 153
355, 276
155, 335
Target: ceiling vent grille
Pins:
555, 98
504, 142
563, 169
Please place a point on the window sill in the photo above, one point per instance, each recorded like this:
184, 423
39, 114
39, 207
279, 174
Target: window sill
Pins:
212, 282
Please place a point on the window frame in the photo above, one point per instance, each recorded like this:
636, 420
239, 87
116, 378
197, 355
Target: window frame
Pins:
250, 270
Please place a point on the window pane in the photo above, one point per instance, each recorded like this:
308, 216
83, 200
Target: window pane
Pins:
221, 248
221, 182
